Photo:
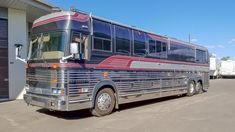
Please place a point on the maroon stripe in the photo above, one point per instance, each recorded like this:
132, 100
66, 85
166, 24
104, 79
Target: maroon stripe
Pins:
116, 63
76, 17
156, 37
72, 65
50, 20
130, 59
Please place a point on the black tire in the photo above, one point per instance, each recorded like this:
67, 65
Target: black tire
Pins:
191, 88
203, 89
105, 109
199, 88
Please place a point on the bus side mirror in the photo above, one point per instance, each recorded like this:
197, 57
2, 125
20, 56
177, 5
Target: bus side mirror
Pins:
74, 51
18, 52
74, 48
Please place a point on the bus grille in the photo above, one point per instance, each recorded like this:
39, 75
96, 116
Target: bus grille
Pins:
42, 78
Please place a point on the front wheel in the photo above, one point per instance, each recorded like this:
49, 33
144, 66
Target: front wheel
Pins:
104, 102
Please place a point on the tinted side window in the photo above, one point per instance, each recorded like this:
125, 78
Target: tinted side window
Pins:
102, 44
180, 52
173, 53
201, 56
152, 47
191, 55
122, 40
101, 29
159, 46
164, 47
139, 43
98, 44
102, 36
157, 49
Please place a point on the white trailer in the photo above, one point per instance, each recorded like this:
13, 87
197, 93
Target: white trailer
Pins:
227, 68
214, 67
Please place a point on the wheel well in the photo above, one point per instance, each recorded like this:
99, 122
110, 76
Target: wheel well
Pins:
192, 81
106, 86
200, 81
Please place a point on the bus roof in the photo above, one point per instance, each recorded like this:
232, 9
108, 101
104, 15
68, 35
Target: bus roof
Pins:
70, 13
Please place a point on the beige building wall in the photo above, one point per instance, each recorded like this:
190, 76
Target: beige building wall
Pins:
17, 34
20, 15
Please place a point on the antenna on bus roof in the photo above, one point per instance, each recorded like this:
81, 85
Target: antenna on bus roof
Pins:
56, 9
74, 9
189, 38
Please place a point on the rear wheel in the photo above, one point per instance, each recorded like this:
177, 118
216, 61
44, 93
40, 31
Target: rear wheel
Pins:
104, 102
199, 89
191, 88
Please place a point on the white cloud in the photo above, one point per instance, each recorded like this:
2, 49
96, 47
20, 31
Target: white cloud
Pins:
220, 46
210, 46
194, 40
232, 41
215, 46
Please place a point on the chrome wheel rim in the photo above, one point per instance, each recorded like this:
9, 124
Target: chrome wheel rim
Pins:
198, 87
104, 101
191, 88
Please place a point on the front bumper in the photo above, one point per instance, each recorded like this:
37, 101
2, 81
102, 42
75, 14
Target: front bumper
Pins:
45, 102
53, 103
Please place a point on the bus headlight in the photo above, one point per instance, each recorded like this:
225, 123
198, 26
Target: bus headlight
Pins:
58, 91
26, 87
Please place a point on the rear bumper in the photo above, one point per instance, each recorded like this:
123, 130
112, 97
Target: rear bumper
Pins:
53, 103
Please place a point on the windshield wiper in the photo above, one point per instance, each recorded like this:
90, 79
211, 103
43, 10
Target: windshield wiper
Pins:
41, 52
31, 48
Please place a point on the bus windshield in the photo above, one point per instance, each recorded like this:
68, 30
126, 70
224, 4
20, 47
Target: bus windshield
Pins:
49, 45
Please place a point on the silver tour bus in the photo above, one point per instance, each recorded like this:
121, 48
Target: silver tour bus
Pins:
79, 61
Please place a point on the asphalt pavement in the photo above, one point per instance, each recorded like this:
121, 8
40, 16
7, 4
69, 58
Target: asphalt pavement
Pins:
213, 111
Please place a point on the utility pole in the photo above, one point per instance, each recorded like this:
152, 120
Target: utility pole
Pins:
189, 38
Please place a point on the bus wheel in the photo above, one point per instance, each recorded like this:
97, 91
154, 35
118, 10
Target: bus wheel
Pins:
191, 88
104, 102
199, 89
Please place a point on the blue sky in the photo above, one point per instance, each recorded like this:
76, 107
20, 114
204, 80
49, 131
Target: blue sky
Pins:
211, 23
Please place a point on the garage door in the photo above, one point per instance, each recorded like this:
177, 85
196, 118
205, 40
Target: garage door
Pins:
4, 59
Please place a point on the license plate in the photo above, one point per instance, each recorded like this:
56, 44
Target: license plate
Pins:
38, 90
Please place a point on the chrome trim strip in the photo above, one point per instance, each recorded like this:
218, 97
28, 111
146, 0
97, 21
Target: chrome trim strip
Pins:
79, 101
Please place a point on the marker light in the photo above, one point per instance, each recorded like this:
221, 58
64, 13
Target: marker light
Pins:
54, 66
61, 91
54, 81
106, 75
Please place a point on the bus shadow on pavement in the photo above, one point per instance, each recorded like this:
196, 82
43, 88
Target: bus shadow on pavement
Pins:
68, 115
147, 102
83, 114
